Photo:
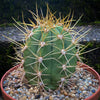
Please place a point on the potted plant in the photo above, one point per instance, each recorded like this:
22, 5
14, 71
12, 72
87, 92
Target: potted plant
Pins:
48, 68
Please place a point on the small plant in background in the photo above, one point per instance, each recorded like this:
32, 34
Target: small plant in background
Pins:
89, 58
5, 50
50, 50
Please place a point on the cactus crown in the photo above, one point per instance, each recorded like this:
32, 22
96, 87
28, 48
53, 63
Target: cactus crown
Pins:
50, 51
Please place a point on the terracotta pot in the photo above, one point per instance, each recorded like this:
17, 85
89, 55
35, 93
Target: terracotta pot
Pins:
4, 94
95, 96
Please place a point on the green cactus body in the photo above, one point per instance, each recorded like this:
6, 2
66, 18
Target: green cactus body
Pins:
49, 56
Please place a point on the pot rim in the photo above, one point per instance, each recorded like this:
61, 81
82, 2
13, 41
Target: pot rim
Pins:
83, 65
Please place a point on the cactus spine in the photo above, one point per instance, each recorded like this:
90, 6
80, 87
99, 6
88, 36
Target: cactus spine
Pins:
49, 56
49, 52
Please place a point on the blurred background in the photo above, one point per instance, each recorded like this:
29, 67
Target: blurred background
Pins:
90, 9
14, 8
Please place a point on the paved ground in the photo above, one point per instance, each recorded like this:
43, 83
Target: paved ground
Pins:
14, 33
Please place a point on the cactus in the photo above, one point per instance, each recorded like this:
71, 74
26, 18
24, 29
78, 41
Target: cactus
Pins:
49, 55
50, 51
